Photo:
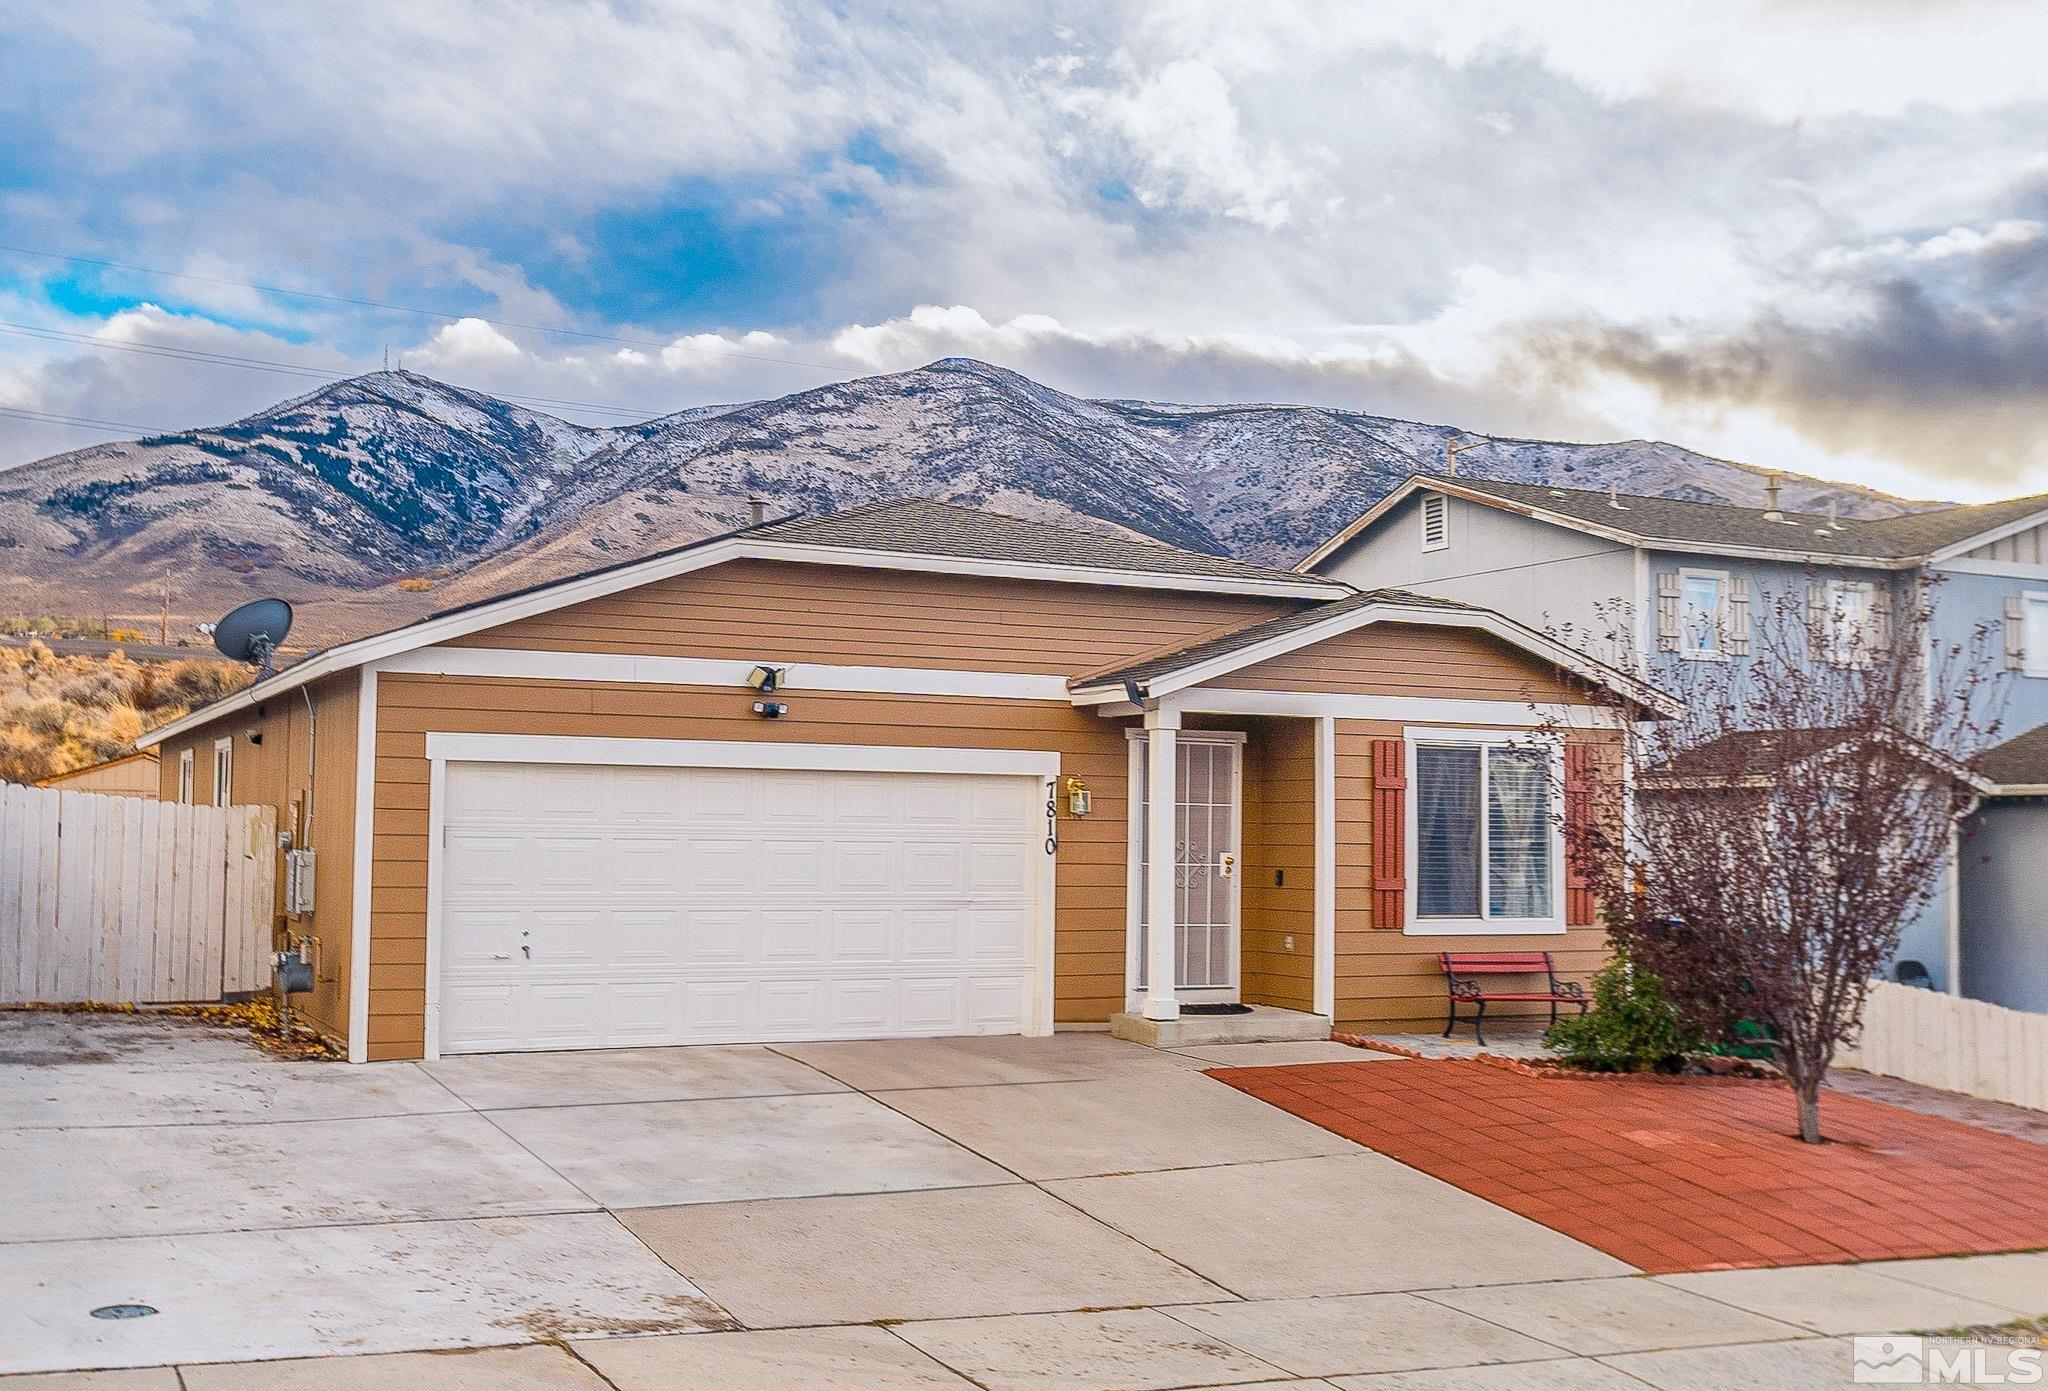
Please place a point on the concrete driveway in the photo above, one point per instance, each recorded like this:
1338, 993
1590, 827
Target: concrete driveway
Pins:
1064, 1212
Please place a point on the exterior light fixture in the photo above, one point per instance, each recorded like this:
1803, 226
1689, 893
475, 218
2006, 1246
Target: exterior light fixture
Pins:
1078, 801
765, 679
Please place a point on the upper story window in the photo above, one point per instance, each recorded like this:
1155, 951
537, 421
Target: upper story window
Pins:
1436, 522
1702, 612
1851, 625
2033, 635
1486, 849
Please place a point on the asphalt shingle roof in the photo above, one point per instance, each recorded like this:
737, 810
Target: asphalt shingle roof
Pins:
1655, 519
2021, 761
919, 526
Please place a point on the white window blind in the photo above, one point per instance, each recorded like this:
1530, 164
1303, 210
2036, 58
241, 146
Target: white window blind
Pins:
1447, 832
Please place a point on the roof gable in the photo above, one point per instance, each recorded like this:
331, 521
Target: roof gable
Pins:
913, 535
1167, 672
1717, 528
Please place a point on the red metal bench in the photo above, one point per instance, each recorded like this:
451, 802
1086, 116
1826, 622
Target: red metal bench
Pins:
1461, 966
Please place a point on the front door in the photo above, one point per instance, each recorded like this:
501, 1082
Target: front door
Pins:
1208, 779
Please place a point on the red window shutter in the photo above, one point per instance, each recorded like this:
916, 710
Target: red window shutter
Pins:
1578, 820
1389, 833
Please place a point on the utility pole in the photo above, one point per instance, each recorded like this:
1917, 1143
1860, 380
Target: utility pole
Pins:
1452, 449
163, 622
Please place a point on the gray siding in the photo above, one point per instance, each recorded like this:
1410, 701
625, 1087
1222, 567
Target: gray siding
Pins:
1964, 605
2005, 905
1540, 575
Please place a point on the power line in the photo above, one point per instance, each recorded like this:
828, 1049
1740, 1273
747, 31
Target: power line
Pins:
49, 418
657, 345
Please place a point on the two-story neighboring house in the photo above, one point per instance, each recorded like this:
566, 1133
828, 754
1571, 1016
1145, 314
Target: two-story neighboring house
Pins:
1656, 582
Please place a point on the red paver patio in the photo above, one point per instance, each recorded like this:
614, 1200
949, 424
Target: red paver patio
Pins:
1677, 1176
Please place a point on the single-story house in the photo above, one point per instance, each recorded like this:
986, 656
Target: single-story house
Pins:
132, 775
886, 772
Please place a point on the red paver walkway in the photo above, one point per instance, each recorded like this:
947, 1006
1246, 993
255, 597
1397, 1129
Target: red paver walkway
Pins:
1674, 1176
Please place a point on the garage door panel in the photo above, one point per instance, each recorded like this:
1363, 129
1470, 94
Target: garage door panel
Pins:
669, 905
793, 868
862, 936
717, 937
864, 866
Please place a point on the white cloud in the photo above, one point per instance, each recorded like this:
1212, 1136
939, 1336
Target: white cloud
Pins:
1379, 206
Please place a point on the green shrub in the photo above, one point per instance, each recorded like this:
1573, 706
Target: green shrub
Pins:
1631, 1027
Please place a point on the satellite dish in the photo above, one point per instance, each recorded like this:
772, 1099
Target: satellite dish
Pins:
252, 632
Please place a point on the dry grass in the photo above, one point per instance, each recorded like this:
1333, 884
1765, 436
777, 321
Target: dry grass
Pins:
63, 712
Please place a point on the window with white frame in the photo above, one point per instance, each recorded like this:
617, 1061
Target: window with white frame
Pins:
2034, 634
1436, 522
1702, 612
1851, 621
223, 772
185, 777
1485, 850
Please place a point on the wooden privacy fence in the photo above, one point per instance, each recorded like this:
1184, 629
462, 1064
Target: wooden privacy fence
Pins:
1956, 1044
125, 900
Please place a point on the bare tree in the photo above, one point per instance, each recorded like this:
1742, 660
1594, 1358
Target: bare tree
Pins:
1793, 819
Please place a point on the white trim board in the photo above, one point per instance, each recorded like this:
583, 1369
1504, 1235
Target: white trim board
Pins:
579, 589
523, 664
719, 753
365, 843
444, 748
1324, 896
1400, 709
1997, 569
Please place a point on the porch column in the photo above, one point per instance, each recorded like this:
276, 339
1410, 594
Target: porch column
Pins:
1323, 996
1162, 840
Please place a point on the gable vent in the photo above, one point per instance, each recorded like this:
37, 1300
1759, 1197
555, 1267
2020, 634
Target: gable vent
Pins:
1436, 522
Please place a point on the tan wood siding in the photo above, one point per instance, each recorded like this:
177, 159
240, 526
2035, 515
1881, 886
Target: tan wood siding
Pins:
1402, 659
844, 616
1391, 978
1089, 877
273, 773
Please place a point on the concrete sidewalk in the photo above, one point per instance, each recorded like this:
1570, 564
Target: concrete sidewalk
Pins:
1070, 1212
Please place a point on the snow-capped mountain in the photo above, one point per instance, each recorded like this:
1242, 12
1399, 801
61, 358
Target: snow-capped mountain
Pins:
382, 496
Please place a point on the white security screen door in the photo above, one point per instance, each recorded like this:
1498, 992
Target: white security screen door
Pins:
1208, 772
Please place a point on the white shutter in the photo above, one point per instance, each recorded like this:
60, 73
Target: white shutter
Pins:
2015, 632
1881, 620
1667, 611
1817, 620
1737, 639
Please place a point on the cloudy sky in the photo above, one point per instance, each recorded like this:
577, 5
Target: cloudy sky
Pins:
1809, 233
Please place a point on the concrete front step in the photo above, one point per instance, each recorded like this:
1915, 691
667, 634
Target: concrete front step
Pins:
1265, 1024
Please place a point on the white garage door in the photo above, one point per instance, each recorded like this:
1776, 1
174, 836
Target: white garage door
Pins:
609, 907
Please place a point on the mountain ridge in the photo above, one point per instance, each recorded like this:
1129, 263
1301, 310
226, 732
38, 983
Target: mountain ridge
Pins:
378, 497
